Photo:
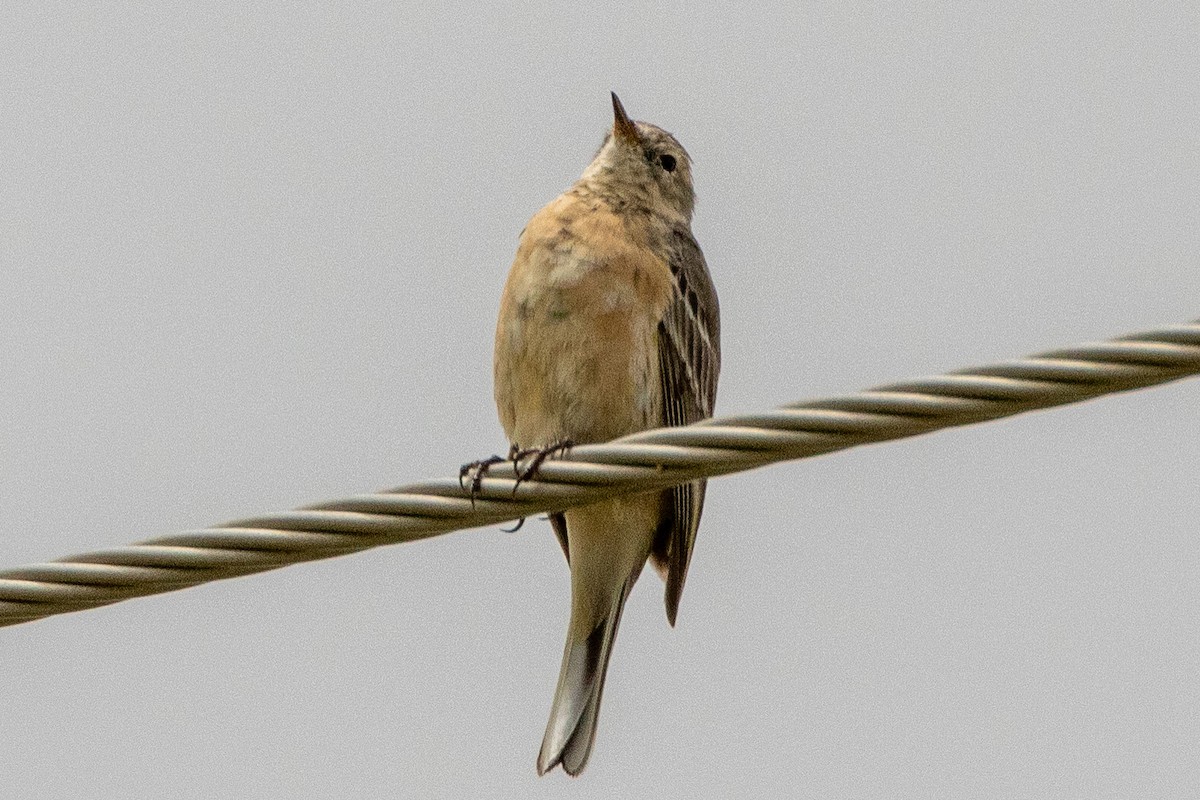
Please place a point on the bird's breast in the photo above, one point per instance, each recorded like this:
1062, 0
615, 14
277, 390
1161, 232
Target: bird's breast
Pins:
576, 343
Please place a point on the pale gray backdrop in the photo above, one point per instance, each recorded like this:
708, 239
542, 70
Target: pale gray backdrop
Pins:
250, 256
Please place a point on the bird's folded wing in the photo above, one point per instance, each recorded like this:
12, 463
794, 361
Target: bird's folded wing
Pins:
689, 350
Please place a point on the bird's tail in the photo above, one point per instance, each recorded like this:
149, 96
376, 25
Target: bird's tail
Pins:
572, 727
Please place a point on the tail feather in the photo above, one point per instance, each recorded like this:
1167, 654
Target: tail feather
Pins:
571, 730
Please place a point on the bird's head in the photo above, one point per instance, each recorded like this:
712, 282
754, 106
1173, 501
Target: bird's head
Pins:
638, 159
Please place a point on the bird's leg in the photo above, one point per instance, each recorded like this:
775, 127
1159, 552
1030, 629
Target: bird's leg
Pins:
536, 456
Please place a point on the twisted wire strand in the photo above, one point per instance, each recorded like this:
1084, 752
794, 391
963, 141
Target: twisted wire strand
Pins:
651, 459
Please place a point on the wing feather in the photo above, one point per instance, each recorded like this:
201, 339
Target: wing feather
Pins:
689, 350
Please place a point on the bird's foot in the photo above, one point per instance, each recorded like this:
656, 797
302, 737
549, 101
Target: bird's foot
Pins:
536, 456
516, 526
477, 470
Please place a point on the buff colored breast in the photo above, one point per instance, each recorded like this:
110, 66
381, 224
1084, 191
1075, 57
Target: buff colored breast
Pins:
580, 310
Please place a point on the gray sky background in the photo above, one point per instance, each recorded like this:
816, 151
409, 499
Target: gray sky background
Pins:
250, 256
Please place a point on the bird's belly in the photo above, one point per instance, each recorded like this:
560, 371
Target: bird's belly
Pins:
584, 356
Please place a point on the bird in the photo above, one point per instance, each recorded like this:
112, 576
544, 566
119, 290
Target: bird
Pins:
609, 324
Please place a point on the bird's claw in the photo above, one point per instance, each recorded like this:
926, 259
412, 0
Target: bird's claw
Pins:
515, 527
536, 456
476, 470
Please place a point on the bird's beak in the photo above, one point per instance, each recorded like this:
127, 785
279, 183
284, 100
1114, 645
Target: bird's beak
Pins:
623, 127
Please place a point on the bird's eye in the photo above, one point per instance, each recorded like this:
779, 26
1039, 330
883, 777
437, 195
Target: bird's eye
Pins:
667, 161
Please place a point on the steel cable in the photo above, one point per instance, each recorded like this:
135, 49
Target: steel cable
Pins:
647, 460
